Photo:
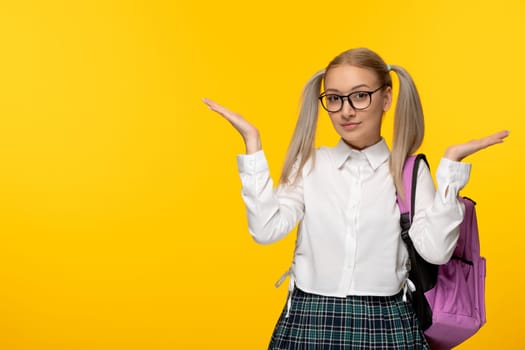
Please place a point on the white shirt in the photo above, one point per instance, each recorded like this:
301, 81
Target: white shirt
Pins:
349, 240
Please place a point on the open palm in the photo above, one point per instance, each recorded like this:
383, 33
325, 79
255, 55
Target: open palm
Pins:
458, 152
248, 131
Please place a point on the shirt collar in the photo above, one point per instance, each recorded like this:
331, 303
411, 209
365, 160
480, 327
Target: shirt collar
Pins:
376, 154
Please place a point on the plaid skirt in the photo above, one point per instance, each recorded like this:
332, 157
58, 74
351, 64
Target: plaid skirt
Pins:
318, 322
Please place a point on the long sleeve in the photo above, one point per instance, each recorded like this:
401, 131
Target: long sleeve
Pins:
272, 213
438, 214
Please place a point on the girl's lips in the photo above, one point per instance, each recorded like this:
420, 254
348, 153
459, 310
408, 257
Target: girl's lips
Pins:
350, 126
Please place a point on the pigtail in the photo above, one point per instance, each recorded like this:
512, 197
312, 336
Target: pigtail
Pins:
409, 126
302, 145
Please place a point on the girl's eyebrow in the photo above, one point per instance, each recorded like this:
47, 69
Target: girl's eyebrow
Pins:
353, 88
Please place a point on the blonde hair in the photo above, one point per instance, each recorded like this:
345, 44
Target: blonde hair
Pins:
408, 117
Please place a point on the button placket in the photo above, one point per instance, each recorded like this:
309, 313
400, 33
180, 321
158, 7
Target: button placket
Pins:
354, 181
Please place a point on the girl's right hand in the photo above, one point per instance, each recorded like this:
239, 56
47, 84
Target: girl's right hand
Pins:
249, 133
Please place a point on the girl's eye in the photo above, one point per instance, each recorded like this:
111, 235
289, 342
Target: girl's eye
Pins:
332, 98
359, 96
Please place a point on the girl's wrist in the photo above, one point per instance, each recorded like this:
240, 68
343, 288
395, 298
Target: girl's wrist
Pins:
252, 142
451, 155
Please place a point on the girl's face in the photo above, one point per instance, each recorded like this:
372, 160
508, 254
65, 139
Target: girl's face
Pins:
358, 128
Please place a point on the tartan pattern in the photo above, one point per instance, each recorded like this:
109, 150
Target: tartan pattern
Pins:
319, 322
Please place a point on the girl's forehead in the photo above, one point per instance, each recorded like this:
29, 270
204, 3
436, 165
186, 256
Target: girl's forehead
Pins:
347, 75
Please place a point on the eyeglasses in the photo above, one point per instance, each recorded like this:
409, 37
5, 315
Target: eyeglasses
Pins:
357, 100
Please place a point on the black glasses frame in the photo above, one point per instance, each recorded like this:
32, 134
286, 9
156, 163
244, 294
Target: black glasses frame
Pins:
347, 97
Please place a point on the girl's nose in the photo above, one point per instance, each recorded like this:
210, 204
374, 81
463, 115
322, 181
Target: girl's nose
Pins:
347, 110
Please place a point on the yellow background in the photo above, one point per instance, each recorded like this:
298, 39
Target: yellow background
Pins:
121, 222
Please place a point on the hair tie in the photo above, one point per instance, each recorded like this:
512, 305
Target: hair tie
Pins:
388, 67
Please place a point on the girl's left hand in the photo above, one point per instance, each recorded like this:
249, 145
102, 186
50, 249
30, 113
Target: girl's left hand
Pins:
458, 152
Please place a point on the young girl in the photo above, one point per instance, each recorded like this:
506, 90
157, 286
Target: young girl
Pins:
350, 268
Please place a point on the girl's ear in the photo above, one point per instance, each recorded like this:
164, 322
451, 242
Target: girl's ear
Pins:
387, 101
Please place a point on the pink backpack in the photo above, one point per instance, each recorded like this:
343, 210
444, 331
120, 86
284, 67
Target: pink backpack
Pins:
449, 299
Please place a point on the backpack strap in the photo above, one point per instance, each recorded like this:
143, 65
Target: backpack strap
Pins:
422, 274
407, 202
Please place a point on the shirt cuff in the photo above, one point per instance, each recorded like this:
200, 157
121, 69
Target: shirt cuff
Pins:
252, 163
452, 176
456, 172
